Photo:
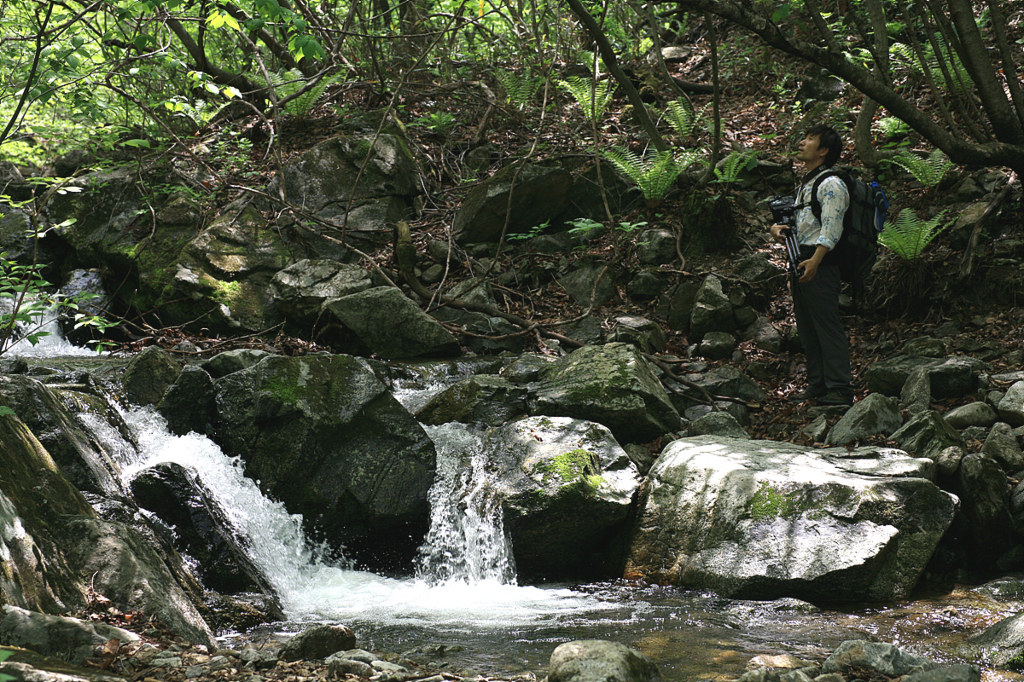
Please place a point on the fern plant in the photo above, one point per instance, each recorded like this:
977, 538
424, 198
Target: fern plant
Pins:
958, 74
654, 173
909, 235
519, 89
292, 82
930, 171
891, 127
593, 96
734, 164
681, 116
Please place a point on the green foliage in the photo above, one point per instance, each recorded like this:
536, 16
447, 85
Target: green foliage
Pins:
437, 122
292, 82
906, 55
654, 174
592, 96
891, 127
519, 89
734, 164
928, 171
909, 235
534, 231
681, 116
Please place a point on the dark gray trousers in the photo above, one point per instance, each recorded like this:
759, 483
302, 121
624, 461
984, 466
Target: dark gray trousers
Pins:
816, 306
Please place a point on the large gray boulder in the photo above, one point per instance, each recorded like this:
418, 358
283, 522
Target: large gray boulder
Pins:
600, 661
971, 414
561, 478
177, 496
728, 381
1002, 446
986, 529
148, 375
539, 194
612, 385
589, 281
324, 436
300, 290
762, 520
389, 324
318, 642
485, 398
874, 415
327, 174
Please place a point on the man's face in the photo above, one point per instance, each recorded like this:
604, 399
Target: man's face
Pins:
809, 152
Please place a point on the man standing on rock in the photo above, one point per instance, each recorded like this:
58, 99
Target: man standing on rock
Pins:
816, 293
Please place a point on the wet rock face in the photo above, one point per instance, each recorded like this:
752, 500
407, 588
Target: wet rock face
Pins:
760, 520
324, 436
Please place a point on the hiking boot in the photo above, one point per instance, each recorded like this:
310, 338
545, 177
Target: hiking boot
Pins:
835, 398
805, 395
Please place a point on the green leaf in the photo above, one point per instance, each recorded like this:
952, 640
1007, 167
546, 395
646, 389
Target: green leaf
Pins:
6, 412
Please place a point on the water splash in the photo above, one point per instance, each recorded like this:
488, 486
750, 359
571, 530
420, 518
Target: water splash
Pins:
467, 540
52, 344
313, 589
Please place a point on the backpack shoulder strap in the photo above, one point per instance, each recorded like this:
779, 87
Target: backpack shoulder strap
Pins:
815, 203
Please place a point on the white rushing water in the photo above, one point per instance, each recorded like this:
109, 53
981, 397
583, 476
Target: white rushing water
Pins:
51, 344
466, 581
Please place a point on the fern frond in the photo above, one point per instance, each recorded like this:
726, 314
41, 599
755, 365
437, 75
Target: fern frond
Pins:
681, 116
909, 235
734, 164
293, 81
930, 171
592, 96
519, 89
890, 127
654, 174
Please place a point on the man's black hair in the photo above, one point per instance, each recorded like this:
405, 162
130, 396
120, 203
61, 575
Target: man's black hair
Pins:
830, 140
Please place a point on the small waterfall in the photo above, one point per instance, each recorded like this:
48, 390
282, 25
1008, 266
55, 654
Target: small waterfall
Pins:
467, 540
271, 536
53, 344
477, 591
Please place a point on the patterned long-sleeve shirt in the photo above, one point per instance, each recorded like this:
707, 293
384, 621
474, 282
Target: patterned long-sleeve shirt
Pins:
835, 199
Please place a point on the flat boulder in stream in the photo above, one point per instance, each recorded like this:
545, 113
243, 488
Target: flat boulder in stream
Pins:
324, 436
762, 520
611, 384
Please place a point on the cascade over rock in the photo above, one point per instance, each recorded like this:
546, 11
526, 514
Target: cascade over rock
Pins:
178, 497
324, 436
761, 520
611, 384
83, 460
567, 488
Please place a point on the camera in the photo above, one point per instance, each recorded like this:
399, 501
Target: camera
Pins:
783, 210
